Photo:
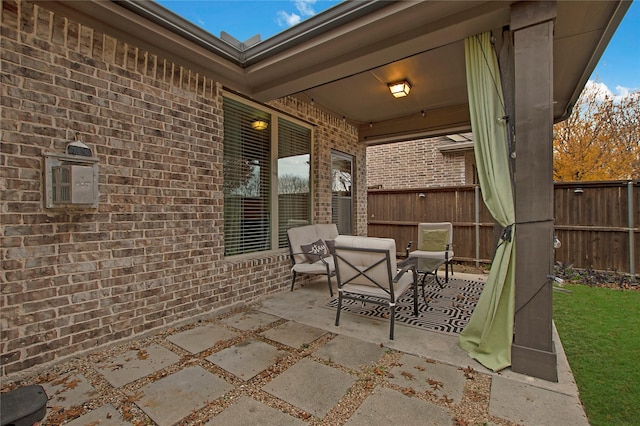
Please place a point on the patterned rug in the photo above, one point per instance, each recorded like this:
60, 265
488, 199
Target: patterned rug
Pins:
448, 309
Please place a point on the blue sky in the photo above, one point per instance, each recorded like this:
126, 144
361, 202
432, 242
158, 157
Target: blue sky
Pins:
618, 69
619, 66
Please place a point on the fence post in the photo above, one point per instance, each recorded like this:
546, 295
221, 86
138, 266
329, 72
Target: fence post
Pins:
632, 269
476, 191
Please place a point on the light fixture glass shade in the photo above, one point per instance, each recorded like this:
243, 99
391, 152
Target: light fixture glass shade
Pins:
259, 125
400, 89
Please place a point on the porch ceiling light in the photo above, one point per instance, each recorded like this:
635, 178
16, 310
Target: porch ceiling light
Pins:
259, 125
399, 89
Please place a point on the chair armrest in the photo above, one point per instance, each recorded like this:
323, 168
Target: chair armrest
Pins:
408, 248
401, 272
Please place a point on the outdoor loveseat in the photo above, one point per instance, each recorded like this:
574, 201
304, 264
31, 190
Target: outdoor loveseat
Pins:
311, 247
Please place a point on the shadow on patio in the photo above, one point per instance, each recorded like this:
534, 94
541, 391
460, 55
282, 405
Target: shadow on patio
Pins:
281, 360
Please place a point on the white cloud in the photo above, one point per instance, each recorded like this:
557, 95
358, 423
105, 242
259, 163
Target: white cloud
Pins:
604, 92
304, 7
623, 91
285, 19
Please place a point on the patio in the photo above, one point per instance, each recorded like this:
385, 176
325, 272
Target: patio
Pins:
281, 360
155, 101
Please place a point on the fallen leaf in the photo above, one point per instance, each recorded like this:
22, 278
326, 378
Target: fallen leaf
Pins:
408, 376
435, 384
408, 391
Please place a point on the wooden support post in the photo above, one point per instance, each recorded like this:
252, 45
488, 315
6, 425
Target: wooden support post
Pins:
533, 352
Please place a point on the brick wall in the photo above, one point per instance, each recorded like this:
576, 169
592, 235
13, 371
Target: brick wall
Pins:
417, 164
151, 255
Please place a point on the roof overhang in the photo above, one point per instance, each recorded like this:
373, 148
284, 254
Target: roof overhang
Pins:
342, 59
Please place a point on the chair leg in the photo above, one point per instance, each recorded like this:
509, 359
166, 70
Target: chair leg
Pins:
293, 281
329, 282
392, 308
339, 308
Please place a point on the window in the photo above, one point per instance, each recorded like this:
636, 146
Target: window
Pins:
294, 184
267, 172
342, 192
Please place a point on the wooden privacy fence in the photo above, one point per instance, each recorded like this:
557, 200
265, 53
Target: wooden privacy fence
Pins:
596, 222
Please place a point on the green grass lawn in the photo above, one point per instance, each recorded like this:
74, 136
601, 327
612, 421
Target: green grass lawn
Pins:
600, 332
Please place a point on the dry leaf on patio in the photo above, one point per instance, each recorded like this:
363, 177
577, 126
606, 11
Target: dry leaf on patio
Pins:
435, 384
408, 391
469, 372
446, 399
72, 384
135, 396
460, 422
408, 376
126, 411
379, 371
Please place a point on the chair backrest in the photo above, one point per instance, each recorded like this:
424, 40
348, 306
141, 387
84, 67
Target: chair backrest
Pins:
302, 235
434, 236
365, 261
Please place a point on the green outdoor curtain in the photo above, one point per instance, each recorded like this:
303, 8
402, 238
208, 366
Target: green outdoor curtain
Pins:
489, 333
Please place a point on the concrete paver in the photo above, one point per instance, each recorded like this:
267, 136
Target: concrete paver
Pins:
247, 358
201, 338
294, 334
386, 407
66, 390
135, 364
106, 415
177, 395
350, 352
250, 320
314, 387
532, 405
440, 379
248, 412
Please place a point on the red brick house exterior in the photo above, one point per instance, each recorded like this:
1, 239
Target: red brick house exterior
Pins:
423, 163
152, 253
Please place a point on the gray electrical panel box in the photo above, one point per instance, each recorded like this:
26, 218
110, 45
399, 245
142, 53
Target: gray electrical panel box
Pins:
72, 184
71, 181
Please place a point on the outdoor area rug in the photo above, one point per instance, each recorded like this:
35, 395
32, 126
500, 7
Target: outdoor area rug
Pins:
448, 309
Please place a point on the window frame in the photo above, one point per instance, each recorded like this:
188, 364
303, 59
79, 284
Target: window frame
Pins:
275, 117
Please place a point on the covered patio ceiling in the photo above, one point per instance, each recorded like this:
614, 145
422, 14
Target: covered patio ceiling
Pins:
342, 59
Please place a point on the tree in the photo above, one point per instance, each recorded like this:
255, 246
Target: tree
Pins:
601, 138
292, 184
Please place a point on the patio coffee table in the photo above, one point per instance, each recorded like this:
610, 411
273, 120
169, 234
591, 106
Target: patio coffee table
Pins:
425, 266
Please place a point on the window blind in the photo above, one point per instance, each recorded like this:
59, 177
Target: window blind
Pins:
246, 171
